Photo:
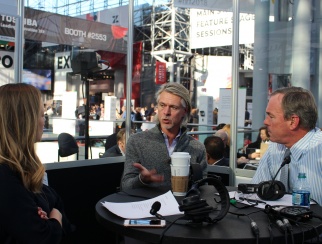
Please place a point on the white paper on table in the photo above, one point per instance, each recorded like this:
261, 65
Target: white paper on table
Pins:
141, 209
286, 200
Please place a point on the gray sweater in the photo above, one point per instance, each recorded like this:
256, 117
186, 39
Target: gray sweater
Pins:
149, 149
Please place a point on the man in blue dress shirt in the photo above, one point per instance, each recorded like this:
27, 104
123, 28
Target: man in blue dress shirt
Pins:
291, 117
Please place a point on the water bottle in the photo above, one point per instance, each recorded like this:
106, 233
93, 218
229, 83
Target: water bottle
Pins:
301, 192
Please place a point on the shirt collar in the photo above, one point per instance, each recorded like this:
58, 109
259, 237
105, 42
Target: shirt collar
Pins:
302, 145
174, 143
218, 161
177, 136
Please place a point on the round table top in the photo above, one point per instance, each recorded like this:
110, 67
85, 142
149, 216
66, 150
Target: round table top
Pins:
231, 229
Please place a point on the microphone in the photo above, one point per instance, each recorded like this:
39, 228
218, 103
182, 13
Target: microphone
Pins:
286, 160
256, 188
155, 208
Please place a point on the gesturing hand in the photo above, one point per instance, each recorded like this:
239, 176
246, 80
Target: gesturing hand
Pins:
148, 176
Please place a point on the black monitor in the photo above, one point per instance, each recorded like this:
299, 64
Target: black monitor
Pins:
85, 62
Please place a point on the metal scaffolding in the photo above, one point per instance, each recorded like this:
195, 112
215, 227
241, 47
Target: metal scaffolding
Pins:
164, 33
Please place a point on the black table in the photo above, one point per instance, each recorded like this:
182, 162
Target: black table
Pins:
231, 229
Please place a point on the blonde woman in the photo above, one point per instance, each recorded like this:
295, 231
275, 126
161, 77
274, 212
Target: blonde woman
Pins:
30, 212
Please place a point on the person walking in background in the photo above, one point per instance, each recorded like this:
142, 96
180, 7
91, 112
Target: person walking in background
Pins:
153, 116
215, 116
31, 212
150, 112
146, 113
147, 160
194, 119
132, 114
98, 111
138, 117
102, 110
291, 116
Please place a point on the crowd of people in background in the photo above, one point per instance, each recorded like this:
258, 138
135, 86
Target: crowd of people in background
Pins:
149, 114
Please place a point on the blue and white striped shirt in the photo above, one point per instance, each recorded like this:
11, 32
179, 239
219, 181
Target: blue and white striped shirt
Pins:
306, 157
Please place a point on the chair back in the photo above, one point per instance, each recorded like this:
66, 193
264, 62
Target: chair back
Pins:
226, 173
67, 145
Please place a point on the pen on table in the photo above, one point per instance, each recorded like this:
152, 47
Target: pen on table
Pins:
251, 200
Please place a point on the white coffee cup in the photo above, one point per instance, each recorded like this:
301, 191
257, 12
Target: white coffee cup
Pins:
180, 159
179, 170
179, 179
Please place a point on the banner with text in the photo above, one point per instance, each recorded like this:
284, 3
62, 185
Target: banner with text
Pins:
161, 73
211, 28
247, 6
48, 27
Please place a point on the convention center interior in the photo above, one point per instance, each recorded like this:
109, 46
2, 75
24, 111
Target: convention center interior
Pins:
164, 121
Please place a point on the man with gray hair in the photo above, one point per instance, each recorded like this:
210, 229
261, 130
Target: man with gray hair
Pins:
291, 116
148, 153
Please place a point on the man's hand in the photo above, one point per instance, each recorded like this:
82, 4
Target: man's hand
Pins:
148, 176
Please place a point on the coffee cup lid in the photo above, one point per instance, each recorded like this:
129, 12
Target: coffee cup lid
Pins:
180, 154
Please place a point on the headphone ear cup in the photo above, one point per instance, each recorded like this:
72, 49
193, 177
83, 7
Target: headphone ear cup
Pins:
265, 192
280, 191
271, 191
197, 209
192, 203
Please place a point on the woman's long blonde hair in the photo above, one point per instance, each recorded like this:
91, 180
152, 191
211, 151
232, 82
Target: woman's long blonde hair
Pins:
20, 110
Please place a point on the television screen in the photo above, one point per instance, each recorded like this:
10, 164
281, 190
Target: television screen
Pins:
40, 78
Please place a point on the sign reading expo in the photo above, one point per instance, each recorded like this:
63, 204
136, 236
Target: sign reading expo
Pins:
48, 27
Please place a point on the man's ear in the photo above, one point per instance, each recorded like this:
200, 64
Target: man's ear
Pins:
294, 122
208, 156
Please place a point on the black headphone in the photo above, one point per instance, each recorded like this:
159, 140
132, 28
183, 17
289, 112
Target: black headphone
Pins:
197, 210
271, 190
268, 190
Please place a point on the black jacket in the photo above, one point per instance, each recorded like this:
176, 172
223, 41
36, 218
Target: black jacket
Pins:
112, 152
19, 221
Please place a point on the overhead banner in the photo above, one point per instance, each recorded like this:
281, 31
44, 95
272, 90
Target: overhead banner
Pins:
215, 28
49, 27
160, 73
247, 6
115, 16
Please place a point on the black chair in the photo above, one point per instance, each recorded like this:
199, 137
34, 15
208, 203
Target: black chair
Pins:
226, 173
67, 145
